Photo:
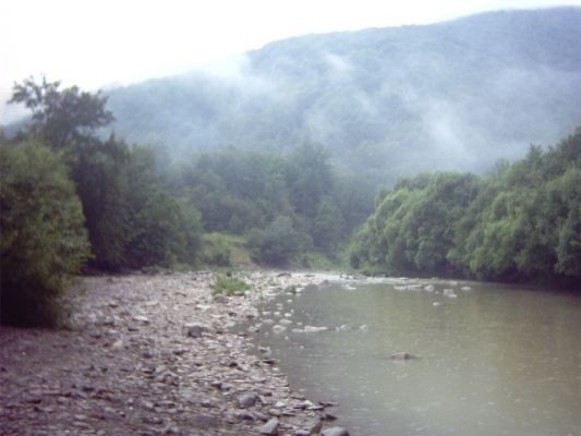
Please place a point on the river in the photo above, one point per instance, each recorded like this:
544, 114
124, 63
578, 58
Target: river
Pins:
490, 359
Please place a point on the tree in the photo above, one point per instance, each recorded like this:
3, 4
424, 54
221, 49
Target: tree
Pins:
62, 118
44, 241
278, 244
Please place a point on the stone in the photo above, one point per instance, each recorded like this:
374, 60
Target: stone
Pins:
314, 329
141, 318
335, 431
117, 345
246, 400
195, 330
222, 299
402, 355
270, 428
277, 329
314, 427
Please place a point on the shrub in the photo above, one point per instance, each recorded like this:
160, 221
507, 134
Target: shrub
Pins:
229, 285
279, 244
44, 241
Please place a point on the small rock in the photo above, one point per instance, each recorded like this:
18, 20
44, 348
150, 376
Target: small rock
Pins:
117, 345
270, 428
277, 329
335, 431
315, 426
222, 299
403, 355
329, 417
245, 416
314, 329
195, 330
247, 400
141, 318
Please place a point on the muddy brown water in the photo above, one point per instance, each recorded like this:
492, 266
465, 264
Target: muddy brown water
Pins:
491, 360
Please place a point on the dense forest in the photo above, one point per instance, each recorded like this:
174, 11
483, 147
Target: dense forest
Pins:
387, 102
521, 222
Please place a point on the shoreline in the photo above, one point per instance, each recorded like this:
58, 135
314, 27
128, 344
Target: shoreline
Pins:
155, 355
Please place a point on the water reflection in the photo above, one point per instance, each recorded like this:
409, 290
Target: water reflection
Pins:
490, 361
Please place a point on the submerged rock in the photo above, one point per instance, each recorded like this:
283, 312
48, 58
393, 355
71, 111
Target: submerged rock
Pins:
402, 355
335, 431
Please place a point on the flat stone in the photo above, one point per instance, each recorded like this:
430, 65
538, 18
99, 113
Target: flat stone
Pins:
270, 428
141, 318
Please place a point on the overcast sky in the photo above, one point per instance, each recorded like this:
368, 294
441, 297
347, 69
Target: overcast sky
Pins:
97, 43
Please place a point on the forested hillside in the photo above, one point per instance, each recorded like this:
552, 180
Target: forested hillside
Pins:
390, 102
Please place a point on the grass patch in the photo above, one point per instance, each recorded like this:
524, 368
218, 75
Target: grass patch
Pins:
224, 250
229, 286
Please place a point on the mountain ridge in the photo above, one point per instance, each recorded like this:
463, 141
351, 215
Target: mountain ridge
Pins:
394, 101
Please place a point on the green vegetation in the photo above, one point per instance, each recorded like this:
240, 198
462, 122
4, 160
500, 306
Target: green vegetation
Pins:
62, 184
43, 239
520, 223
283, 205
228, 285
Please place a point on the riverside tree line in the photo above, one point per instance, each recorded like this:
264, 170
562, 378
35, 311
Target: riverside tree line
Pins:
73, 200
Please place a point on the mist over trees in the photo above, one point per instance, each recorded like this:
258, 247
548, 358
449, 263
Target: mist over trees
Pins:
390, 102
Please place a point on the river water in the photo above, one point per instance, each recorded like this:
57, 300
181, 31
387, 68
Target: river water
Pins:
491, 360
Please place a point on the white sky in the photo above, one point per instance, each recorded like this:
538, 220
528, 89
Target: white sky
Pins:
96, 43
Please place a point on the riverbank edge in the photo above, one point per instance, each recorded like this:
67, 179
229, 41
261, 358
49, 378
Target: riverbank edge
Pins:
156, 355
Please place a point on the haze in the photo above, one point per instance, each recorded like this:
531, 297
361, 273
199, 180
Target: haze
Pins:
101, 44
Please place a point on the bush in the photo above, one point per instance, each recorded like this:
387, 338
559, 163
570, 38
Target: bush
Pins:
229, 285
279, 244
217, 250
44, 241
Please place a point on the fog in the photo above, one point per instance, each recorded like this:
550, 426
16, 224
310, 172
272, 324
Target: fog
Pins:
388, 102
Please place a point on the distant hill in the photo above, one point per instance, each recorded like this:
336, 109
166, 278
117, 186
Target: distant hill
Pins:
393, 101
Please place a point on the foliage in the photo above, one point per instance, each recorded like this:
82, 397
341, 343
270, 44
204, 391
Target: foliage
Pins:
133, 221
217, 250
521, 223
62, 117
44, 241
228, 285
243, 193
279, 244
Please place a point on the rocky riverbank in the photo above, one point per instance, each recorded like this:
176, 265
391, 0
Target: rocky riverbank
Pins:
154, 355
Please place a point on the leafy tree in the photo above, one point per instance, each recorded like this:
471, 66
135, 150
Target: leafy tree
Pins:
62, 117
522, 222
99, 173
310, 178
44, 242
131, 218
328, 227
278, 244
